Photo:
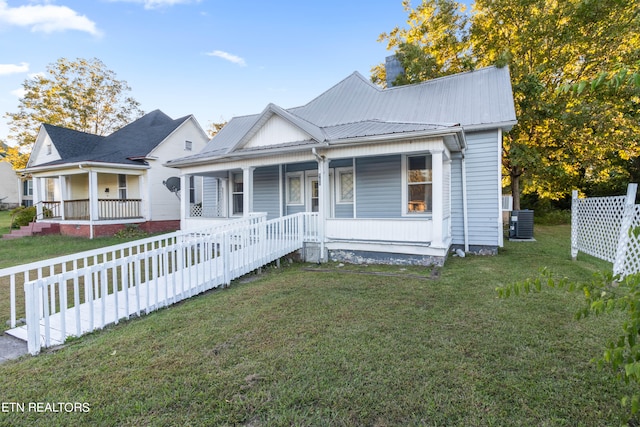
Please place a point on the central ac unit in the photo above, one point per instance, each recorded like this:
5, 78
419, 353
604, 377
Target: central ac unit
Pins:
521, 224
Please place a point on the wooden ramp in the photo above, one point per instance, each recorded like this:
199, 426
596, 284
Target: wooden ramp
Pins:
132, 301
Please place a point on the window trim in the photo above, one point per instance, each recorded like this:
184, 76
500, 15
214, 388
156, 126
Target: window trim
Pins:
299, 175
338, 185
123, 189
405, 186
232, 182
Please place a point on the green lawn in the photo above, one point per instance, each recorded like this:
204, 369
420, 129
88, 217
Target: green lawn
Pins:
305, 346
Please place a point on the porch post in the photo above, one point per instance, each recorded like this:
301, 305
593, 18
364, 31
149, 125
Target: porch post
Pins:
437, 195
94, 209
247, 191
37, 196
324, 202
63, 194
184, 201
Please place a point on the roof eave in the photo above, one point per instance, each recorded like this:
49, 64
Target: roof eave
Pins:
81, 165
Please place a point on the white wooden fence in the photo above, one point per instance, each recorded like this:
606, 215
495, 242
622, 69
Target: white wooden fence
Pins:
76, 294
608, 228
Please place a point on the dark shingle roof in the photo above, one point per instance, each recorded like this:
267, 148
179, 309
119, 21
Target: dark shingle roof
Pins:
134, 141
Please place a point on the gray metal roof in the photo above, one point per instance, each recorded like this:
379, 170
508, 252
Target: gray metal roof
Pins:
356, 108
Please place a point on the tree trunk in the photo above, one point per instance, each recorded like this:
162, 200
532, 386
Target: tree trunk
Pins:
515, 190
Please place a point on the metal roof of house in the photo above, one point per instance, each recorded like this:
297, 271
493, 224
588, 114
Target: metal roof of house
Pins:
356, 108
128, 145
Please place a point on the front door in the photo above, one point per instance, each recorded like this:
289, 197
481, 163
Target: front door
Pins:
312, 202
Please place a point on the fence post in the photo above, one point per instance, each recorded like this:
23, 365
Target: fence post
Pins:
32, 307
627, 221
574, 224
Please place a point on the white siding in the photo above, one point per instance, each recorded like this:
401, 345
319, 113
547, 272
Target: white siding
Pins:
276, 131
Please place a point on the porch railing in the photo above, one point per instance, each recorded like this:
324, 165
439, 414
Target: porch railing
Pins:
76, 294
80, 209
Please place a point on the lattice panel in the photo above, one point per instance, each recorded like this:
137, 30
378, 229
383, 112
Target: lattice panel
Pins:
196, 210
631, 264
598, 222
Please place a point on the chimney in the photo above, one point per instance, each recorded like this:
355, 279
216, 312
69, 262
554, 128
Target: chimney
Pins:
393, 68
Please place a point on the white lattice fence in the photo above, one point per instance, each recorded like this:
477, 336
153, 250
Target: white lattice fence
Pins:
608, 228
630, 263
598, 220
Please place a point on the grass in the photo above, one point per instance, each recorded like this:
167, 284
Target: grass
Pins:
304, 346
5, 222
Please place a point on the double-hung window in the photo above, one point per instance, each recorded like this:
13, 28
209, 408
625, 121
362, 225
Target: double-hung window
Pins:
419, 184
237, 193
122, 186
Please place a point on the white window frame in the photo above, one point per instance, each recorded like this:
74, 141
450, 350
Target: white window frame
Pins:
299, 175
338, 185
233, 193
405, 186
122, 189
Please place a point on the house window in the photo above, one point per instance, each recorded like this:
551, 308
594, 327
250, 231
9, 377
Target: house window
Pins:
192, 189
237, 193
50, 189
122, 186
419, 184
27, 188
345, 185
294, 189
188, 145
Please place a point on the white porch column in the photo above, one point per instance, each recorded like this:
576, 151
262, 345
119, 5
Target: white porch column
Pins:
247, 191
324, 202
94, 209
63, 194
437, 195
144, 188
37, 196
184, 201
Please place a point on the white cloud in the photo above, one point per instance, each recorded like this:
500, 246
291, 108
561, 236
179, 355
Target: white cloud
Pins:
18, 93
6, 69
46, 18
157, 4
228, 56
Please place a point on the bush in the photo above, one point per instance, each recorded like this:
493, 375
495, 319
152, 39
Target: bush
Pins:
22, 216
130, 231
555, 217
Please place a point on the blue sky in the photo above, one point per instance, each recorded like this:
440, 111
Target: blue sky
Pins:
214, 59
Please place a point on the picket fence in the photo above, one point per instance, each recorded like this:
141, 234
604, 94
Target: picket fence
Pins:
77, 294
608, 228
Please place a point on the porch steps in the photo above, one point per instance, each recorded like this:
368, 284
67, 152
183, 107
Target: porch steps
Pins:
34, 229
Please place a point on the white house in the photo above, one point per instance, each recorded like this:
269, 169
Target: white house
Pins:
9, 186
397, 175
93, 185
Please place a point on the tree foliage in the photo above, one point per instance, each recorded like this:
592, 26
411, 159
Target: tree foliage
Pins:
83, 95
563, 139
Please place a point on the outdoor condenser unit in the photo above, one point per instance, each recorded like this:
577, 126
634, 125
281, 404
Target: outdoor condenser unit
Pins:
521, 224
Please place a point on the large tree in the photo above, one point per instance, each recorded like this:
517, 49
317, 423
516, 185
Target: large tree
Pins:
561, 141
83, 95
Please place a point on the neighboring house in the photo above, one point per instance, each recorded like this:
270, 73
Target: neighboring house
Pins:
397, 175
92, 185
9, 186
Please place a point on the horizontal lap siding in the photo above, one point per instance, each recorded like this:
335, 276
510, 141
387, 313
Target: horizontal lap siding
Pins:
266, 191
343, 210
378, 187
483, 167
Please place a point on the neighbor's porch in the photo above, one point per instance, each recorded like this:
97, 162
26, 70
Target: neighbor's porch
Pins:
89, 195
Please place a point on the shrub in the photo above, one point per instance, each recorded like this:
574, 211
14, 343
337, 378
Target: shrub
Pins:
130, 231
21, 216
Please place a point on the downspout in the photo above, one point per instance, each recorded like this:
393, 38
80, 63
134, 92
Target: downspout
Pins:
322, 181
465, 219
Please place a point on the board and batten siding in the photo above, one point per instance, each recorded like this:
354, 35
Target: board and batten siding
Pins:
266, 191
379, 187
483, 172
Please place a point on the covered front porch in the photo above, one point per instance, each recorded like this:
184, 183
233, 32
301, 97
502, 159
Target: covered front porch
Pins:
85, 195
394, 200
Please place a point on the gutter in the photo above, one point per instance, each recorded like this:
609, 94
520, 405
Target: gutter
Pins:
81, 165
